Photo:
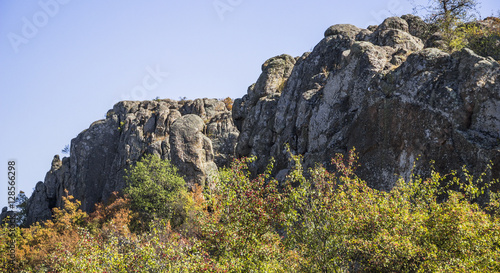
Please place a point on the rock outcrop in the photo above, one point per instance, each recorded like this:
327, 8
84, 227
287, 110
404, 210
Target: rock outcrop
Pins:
381, 92
386, 90
180, 131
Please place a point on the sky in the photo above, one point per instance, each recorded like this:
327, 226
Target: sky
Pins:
65, 63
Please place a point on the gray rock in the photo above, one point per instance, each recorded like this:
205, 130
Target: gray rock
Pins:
384, 94
275, 73
100, 154
393, 23
379, 90
343, 30
418, 28
192, 151
396, 39
223, 133
38, 206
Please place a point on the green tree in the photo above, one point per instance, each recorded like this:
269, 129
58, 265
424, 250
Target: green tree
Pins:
21, 204
156, 190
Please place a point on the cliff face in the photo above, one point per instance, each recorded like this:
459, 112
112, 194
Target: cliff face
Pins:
381, 92
384, 91
194, 135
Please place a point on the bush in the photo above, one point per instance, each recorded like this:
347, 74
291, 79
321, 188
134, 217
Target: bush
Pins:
345, 225
34, 244
484, 37
229, 103
239, 230
155, 190
319, 222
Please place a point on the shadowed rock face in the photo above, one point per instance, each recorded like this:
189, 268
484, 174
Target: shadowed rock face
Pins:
379, 90
382, 92
100, 154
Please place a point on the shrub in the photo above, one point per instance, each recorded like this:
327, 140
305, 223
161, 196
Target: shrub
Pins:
484, 37
229, 103
34, 244
112, 218
345, 225
155, 190
317, 221
240, 228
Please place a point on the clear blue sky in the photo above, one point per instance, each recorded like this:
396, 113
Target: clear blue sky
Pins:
65, 63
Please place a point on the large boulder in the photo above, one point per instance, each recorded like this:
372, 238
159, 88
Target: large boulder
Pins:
191, 150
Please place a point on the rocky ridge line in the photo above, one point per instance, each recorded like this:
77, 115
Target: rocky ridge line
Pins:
383, 90
195, 135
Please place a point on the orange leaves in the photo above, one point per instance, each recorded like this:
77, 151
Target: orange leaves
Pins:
229, 103
113, 217
41, 239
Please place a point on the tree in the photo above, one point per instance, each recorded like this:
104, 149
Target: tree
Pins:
228, 102
65, 150
448, 15
21, 204
449, 10
156, 190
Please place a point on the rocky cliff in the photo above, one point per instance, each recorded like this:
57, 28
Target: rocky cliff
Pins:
382, 90
194, 135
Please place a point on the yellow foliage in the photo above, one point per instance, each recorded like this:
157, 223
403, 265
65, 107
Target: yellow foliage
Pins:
229, 103
35, 243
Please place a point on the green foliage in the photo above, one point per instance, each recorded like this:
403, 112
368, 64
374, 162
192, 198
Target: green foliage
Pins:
457, 22
156, 190
484, 38
240, 230
314, 221
447, 16
345, 225
33, 244
159, 250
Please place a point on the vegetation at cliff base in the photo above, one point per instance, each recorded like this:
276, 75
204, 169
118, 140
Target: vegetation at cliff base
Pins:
156, 191
314, 221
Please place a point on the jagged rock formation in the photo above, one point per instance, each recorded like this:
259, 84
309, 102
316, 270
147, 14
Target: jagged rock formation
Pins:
180, 131
386, 90
382, 92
